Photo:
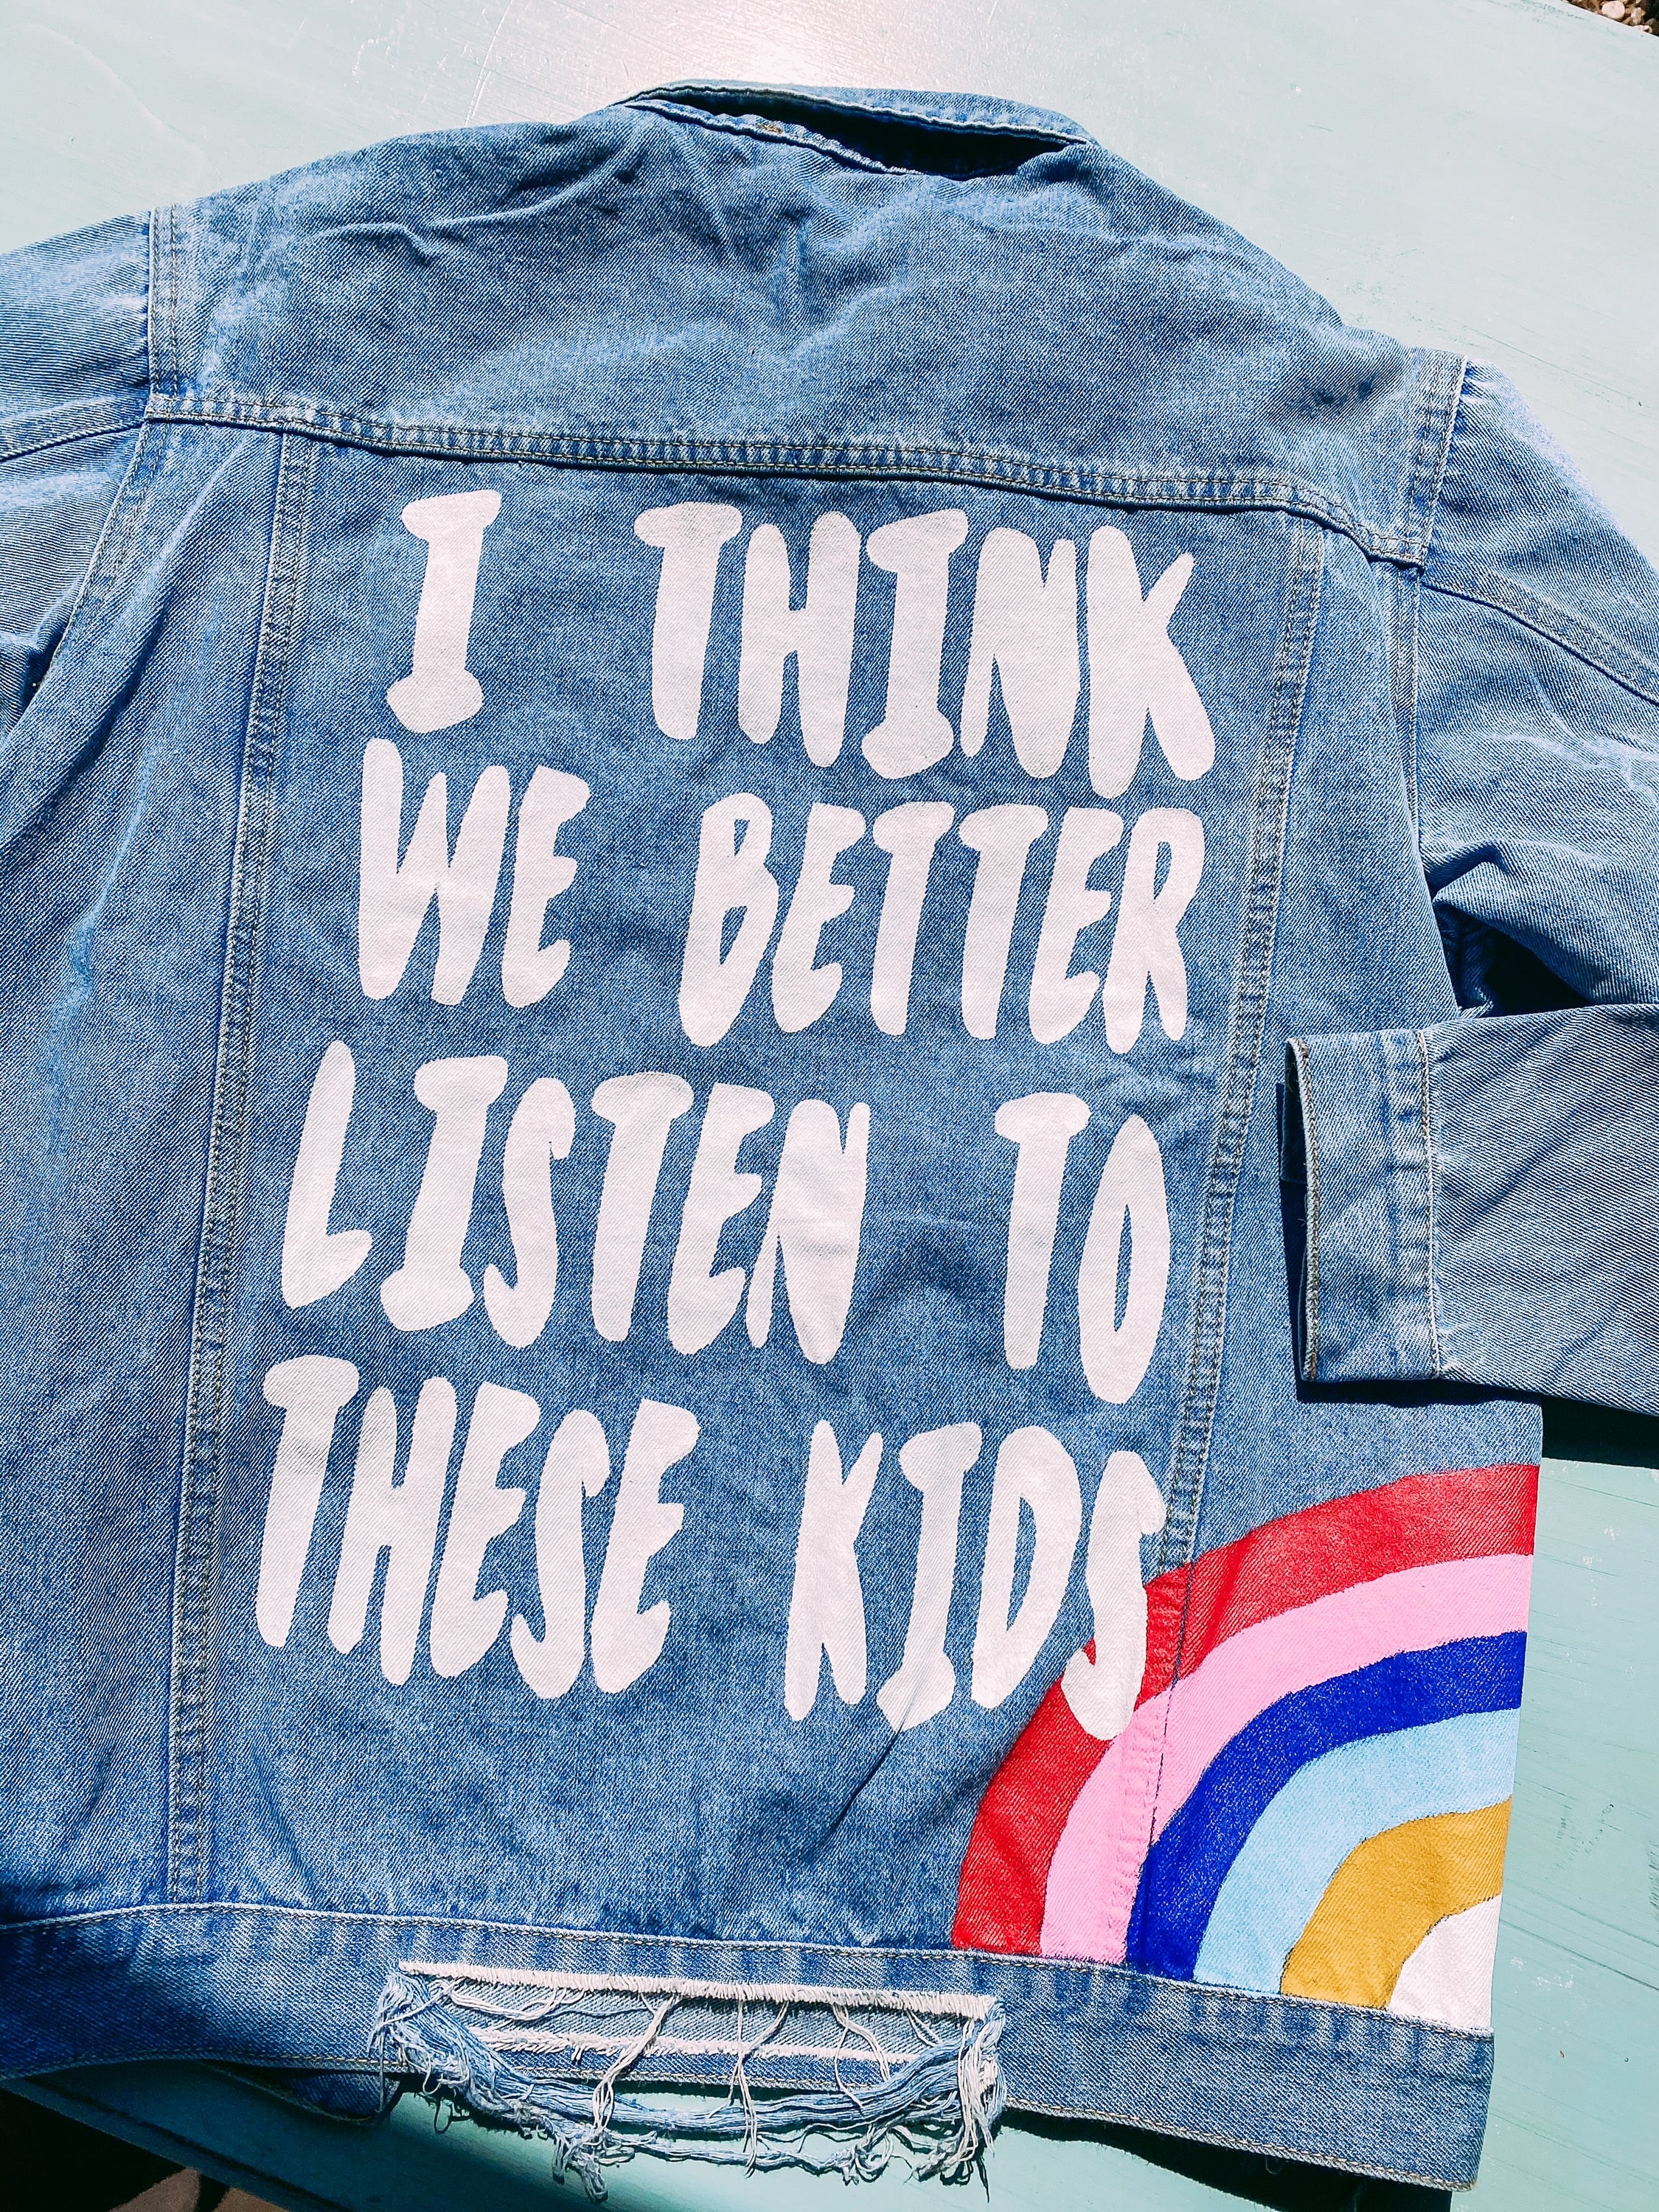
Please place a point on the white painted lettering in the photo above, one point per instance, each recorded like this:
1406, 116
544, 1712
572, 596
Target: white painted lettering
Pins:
529, 968
690, 536
700, 1301
1101, 1691
624, 1640
1136, 672
1060, 999
397, 1518
393, 896
912, 733
909, 834
542, 1129
801, 992
640, 1108
826, 1603
818, 1208
314, 1262
1002, 836
439, 690
1116, 1355
578, 1466
819, 635
464, 1625
310, 1393
1036, 1472
1025, 633
1042, 1126
1145, 946
432, 1285
733, 877
935, 1464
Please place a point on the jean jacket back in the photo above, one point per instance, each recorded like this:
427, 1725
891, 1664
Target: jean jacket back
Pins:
826, 969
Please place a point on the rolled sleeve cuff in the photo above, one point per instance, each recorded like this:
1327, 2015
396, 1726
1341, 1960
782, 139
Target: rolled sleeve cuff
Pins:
1358, 1133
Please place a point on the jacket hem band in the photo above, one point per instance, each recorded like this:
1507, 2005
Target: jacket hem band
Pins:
1329, 2085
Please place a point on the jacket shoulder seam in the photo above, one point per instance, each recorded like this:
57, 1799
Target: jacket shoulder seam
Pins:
1436, 425
1574, 636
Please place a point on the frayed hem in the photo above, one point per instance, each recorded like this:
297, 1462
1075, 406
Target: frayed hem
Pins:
934, 2098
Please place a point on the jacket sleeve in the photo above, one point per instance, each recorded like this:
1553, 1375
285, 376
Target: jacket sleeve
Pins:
74, 379
1482, 1197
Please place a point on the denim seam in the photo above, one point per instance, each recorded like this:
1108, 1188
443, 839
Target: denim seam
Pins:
190, 1718
1310, 1151
1124, 2116
791, 134
1431, 1178
1407, 600
304, 2062
1219, 493
154, 247
1436, 433
1190, 1457
115, 539
171, 221
1557, 627
1213, 1995
68, 425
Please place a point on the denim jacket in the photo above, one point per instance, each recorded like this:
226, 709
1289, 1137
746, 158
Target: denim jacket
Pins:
827, 969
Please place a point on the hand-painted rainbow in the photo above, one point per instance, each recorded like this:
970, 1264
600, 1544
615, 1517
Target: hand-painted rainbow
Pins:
1312, 1795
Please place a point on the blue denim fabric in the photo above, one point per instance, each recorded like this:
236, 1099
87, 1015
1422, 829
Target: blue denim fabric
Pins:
672, 790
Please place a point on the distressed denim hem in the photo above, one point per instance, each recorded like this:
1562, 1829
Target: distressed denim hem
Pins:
1365, 1138
1327, 2085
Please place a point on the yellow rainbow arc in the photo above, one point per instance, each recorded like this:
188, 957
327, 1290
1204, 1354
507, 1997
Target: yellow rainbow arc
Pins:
1384, 1898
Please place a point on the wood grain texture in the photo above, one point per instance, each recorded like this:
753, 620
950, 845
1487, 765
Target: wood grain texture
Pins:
1482, 174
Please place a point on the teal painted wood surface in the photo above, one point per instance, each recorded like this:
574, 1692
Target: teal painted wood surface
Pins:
1481, 174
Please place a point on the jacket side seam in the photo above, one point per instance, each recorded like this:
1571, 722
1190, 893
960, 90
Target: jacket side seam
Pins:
1190, 1458
1222, 492
190, 1716
1581, 639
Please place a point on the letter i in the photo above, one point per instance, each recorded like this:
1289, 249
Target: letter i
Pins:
439, 689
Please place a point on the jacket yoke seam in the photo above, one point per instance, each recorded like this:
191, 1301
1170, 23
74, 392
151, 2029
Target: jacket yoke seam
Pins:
1216, 490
